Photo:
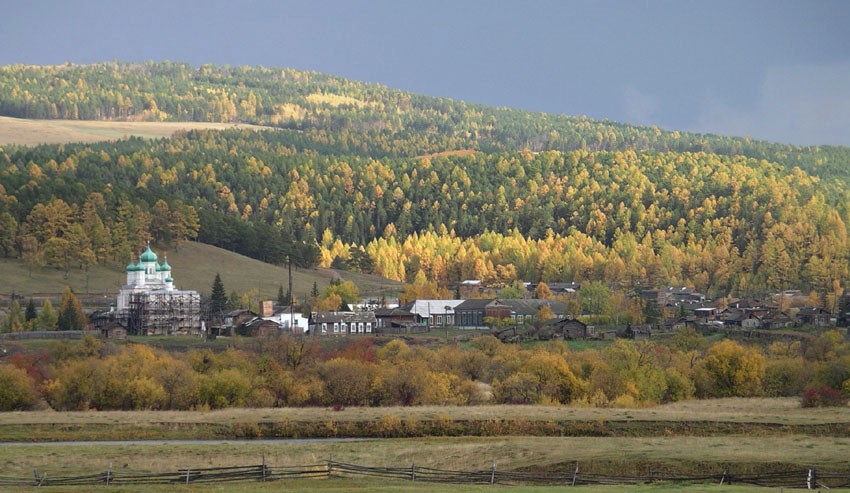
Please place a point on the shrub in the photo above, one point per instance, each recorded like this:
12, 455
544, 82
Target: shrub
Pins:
823, 397
17, 392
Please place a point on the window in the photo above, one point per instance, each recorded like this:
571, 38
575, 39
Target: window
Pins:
336, 327
368, 327
360, 327
324, 328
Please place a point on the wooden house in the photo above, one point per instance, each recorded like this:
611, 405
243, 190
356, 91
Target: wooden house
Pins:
258, 327
569, 329
471, 313
113, 330
342, 323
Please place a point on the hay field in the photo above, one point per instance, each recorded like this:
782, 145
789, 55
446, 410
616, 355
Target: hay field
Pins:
33, 132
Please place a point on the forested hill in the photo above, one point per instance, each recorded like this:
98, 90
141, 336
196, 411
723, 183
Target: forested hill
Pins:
413, 187
349, 117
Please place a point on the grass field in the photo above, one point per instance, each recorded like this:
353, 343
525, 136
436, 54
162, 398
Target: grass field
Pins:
620, 456
195, 266
785, 411
743, 453
33, 132
710, 418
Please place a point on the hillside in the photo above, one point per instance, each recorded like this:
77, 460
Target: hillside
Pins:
349, 117
195, 266
384, 182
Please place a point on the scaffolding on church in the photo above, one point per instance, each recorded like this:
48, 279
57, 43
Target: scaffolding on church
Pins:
164, 313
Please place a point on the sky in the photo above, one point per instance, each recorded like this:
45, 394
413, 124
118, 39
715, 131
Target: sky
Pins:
775, 70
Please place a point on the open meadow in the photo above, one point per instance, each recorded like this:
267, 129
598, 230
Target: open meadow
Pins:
745, 436
22, 131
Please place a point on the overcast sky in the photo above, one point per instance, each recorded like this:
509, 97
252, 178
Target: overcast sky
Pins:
774, 70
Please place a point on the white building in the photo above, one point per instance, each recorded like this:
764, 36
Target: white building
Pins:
290, 320
149, 304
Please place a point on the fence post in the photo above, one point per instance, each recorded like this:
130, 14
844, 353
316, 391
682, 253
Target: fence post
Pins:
330, 466
108, 474
39, 479
188, 472
413, 472
264, 468
575, 474
811, 479
493, 474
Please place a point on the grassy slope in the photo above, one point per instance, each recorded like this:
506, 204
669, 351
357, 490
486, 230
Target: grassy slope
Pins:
33, 132
194, 267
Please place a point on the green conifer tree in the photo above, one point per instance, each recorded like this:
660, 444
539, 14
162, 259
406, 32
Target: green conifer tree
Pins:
71, 316
218, 297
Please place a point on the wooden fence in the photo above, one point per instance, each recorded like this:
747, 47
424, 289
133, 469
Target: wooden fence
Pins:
47, 334
810, 478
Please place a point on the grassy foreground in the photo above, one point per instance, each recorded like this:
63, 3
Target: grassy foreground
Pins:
775, 445
621, 456
383, 486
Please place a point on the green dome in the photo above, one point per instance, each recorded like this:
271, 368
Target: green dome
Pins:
148, 255
169, 279
165, 267
140, 267
158, 268
131, 267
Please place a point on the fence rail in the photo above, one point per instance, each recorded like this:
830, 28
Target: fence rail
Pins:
797, 478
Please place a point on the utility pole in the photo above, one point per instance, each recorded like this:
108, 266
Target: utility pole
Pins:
291, 309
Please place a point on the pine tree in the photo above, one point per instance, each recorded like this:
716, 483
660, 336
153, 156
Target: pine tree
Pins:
71, 316
314, 294
218, 296
30, 313
281, 299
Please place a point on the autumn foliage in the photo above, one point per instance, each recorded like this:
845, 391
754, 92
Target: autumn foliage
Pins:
301, 371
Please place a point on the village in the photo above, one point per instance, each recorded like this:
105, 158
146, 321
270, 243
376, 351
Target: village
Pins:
150, 304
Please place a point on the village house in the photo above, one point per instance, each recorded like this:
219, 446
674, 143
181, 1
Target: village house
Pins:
471, 313
524, 311
637, 332
816, 317
235, 318
342, 323
557, 288
290, 320
433, 313
568, 329
258, 327
389, 317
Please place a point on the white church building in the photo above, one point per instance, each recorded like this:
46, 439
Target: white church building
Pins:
149, 304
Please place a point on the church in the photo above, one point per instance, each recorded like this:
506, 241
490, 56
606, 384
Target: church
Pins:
149, 304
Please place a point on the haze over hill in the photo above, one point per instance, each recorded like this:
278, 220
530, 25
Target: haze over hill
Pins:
771, 70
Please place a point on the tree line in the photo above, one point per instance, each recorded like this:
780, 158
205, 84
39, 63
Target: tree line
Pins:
298, 371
